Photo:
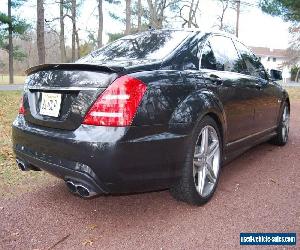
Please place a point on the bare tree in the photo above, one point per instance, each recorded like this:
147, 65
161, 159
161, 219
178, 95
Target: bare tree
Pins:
157, 9
140, 13
40, 29
193, 9
74, 30
100, 23
294, 49
128, 17
62, 32
10, 44
77, 44
238, 10
221, 17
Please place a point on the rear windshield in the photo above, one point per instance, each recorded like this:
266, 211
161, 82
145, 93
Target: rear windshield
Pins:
150, 45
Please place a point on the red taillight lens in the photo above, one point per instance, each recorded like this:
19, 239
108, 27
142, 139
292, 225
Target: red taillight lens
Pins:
21, 107
117, 105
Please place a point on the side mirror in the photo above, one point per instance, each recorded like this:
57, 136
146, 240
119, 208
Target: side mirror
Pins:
276, 75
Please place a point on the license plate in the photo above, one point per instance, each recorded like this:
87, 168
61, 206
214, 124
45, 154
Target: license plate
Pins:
50, 104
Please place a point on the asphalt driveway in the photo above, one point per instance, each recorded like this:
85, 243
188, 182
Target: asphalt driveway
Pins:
258, 192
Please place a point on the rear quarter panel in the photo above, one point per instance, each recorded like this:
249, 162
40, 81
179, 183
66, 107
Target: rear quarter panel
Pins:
175, 100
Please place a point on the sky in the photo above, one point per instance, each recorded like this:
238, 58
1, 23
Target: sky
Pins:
256, 28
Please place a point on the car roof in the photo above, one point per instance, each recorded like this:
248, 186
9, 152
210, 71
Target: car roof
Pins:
198, 30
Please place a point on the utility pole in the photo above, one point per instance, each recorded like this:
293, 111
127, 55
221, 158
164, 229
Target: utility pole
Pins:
238, 6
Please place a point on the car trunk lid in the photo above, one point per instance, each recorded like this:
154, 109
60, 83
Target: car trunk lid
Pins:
75, 87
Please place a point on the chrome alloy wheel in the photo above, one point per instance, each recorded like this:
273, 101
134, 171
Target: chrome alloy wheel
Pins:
285, 123
206, 164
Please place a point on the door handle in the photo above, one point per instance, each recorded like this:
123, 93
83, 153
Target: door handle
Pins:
216, 79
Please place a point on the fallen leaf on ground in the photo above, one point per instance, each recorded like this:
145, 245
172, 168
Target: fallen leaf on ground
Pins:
92, 226
87, 242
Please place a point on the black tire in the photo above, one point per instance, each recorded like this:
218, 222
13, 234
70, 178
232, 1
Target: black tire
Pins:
280, 139
184, 189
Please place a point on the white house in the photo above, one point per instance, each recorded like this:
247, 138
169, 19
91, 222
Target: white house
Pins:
272, 58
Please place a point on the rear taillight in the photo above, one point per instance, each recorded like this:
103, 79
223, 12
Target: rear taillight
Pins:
117, 105
21, 107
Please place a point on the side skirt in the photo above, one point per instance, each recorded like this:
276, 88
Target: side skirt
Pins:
234, 149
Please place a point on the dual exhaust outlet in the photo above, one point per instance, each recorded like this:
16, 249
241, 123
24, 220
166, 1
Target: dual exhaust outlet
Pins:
80, 189
75, 187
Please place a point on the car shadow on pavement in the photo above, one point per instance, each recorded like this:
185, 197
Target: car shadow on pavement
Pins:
233, 174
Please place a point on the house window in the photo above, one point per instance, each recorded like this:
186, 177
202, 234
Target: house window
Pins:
274, 59
269, 58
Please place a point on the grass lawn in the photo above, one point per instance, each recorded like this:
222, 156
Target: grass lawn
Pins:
12, 180
17, 79
294, 93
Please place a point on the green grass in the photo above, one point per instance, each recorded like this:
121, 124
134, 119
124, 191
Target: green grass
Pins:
12, 180
294, 93
4, 79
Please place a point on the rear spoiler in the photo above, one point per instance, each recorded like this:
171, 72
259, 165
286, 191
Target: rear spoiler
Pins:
74, 66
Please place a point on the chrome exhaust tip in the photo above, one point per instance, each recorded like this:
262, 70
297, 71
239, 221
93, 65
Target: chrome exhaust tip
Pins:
71, 186
83, 191
22, 166
80, 189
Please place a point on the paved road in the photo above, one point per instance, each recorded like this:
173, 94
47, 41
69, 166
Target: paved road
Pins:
258, 192
4, 87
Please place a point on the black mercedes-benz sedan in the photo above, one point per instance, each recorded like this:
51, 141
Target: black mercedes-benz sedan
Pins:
155, 110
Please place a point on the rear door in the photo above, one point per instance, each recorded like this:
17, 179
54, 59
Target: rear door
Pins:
59, 96
267, 104
224, 70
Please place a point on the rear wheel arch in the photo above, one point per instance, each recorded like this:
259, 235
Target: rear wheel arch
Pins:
287, 100
195, 107
219, 123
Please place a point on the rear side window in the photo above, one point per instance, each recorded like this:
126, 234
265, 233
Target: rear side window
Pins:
253, 64
220, 54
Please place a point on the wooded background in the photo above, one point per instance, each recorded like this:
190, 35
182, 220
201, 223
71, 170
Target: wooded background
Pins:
24, 44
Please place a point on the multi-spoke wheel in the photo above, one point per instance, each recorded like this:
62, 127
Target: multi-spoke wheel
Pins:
285, 123
283, 127
206, 161
201, 170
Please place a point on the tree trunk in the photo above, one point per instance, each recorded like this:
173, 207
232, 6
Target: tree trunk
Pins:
152, 13
297, 75
62, 33
160, 13
238, 2
100, 23
140, 13
10, 45
77, 44
40, 31
191, 14
224, 9
128, 17
73, 13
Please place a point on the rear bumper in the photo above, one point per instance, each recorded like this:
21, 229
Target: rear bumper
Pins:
110, 160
